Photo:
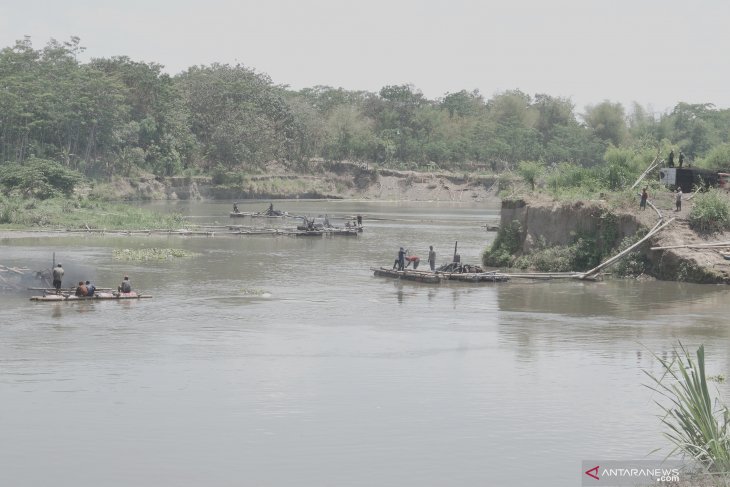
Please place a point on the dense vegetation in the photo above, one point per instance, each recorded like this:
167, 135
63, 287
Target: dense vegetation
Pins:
111, 116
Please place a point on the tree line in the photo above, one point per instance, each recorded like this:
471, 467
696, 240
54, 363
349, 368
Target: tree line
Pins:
109, 116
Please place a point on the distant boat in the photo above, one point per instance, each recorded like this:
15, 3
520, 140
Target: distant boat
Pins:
269, 213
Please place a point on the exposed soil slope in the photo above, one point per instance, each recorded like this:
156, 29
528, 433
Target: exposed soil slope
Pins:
551, 222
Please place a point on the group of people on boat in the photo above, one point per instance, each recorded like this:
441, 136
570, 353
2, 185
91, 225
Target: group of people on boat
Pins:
85, 289
270, 211
405, 259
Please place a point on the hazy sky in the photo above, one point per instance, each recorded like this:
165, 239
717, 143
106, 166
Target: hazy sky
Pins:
655, 52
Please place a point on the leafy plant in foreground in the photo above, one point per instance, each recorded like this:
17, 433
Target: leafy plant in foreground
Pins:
697, 424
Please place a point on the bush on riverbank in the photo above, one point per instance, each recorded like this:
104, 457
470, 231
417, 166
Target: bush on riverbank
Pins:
620, 168
581, 255
507, 243
16, 212
38, 178
710, 212
635, 263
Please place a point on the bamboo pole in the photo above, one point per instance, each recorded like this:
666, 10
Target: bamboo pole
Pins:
694, 194
653, 165
657, 228
693, 246
661, 217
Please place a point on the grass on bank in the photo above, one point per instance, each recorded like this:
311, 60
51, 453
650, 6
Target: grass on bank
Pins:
80, 213
697, 423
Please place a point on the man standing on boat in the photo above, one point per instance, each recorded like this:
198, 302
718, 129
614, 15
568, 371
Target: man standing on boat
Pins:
431, 258
57, 278
400, 262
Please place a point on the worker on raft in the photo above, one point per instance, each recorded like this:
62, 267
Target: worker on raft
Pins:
412, 259
81, 290
235, 207
270, 211
400, 262
126, 286
57, 277
90, 289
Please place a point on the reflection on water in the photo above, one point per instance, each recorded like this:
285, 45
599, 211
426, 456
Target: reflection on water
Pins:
283, 361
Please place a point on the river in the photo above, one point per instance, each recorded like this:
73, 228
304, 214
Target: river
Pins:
282, 361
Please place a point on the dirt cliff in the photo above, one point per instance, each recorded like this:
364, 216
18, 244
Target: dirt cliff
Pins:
546, 222
342, 180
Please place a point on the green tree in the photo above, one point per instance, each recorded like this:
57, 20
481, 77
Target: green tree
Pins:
607, 121
530, 171
38, 178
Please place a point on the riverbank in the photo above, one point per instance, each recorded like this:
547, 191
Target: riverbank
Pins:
323, 180
546, 223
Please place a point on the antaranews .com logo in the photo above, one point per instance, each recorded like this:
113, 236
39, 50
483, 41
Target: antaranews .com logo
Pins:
630, 473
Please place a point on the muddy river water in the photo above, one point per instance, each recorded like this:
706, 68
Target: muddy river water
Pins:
282, 361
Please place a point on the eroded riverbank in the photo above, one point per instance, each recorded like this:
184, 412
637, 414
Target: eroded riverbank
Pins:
548, 223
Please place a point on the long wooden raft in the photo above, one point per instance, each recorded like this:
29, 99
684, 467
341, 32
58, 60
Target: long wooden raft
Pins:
96, 297
438, 277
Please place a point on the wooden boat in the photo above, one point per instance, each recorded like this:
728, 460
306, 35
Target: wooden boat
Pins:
437, 277
409, 275
65, 290
96, 297
275, 214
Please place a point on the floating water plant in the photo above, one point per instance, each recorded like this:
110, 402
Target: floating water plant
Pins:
150, 254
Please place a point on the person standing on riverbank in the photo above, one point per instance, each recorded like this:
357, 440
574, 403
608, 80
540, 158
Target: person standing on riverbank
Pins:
671, 158
644, 198
678, 199
431, 258
57, 277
